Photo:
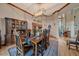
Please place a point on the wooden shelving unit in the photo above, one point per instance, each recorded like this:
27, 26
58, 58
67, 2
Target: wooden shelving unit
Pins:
11, 24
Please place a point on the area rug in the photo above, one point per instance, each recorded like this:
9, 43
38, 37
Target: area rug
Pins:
52, 50
13, 52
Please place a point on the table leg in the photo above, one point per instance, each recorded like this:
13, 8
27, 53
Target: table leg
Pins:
36, 50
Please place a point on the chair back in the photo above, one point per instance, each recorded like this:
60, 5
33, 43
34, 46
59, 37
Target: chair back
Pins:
46, 37
19, 46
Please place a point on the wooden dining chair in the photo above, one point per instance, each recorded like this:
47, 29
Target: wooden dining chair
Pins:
46, 37
74, 42
44, 43
41, 46
22, 48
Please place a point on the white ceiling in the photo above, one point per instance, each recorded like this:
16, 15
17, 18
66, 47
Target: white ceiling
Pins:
34, 8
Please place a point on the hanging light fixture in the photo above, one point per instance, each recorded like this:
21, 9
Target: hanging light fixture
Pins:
40, 12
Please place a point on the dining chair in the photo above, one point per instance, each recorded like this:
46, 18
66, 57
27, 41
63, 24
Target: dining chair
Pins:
46, 37
41, 46
23, 49
74, 42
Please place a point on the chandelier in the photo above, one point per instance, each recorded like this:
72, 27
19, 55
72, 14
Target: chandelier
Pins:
41, 10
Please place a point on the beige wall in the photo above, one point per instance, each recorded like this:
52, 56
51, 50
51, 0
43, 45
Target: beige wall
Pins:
70, 18
9, 11
52, 20
2, 28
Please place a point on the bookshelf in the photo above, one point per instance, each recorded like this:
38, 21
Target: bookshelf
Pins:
11, 24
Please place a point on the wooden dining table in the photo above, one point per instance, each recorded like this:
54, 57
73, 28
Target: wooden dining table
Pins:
35, 41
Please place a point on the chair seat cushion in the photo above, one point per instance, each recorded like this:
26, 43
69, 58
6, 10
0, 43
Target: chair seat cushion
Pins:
12, 51
73, 42
78, 42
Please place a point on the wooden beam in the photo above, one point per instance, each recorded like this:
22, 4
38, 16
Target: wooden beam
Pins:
20, 9
61, 8
32, 14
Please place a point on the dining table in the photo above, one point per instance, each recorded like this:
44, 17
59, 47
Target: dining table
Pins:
35, 41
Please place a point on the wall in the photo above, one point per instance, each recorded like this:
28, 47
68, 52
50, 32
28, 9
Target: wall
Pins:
54, 22
2, 28
11, 12
46, 20
70, 19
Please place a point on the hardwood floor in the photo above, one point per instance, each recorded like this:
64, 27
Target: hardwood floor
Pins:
62, 49
4, 50
53, 48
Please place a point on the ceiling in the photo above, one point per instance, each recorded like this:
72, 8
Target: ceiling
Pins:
37, 8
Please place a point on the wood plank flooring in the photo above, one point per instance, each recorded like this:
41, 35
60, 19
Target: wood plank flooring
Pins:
52, 49
62, 49
4, 50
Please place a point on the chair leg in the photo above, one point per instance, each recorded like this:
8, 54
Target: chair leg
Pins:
76, 47
42, 53
67, 42
69, 46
